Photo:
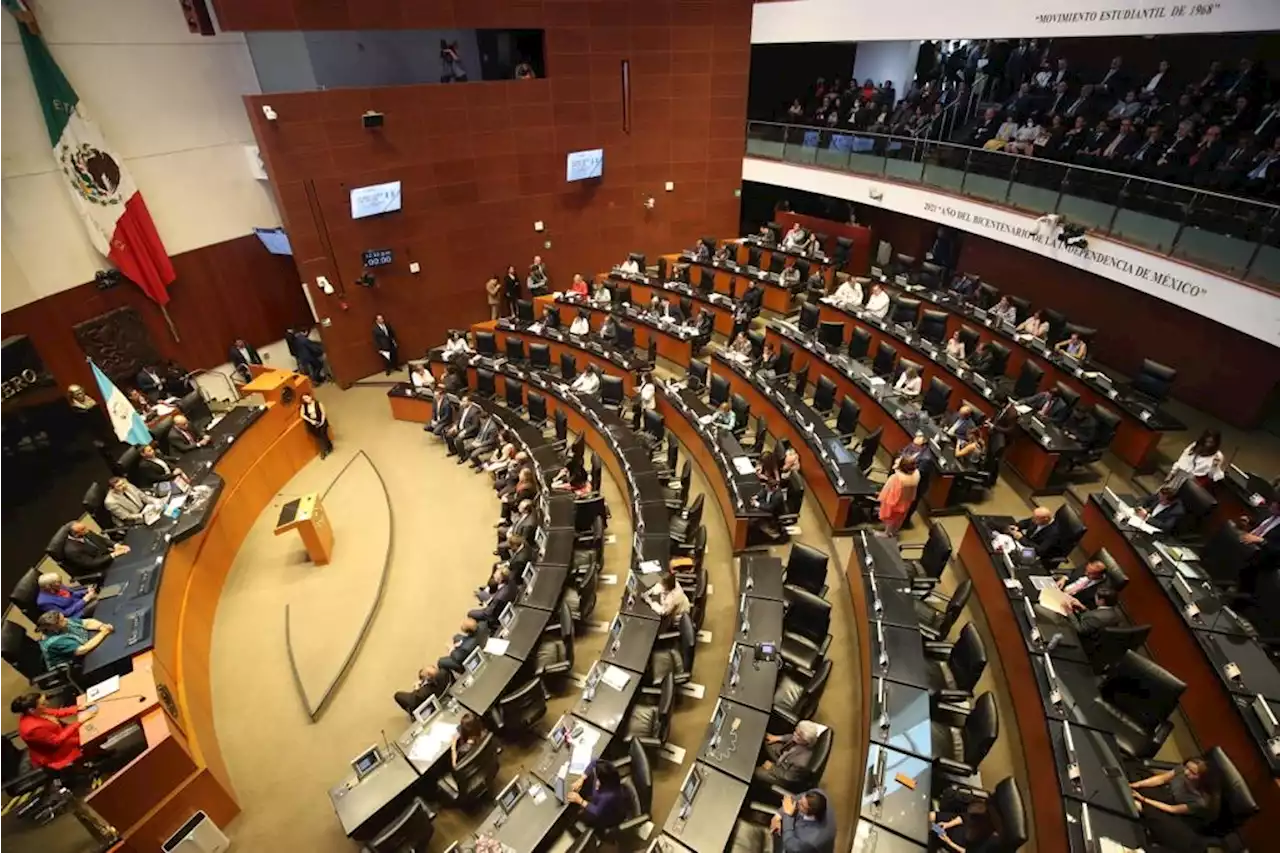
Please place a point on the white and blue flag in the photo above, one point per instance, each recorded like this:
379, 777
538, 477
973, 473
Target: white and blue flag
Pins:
128, 424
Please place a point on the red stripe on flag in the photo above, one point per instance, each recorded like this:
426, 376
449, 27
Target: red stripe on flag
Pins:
137, 251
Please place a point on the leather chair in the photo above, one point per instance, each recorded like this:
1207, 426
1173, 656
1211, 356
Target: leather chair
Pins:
1027, 383
408, 833
1069, 396
520, 707
969, 337
568, 366
1154, 380
673, 654
554, 654
685, 523
597, 475
801, 378
25, 592
962, 737
1140, 696
637, 789
127, 464
1108, 424
561, 428
668, 470
472, 779
885, 360
1057, 322
1073, 531
581, 596
859, 343
649, 723
741, 415
625, 340
1009, 814
718, 389
586, 511
160, 434
807, 569
938, 398
696, 547
486, 343
536, 402
1111, 644
1199, 505
786, 355
1237, 801
904, 310
677, 497
539, 356
515, 349
954, 668
808, 319
929, 275
805, 640
486, 384
814, 769
94, 504
514, 392
847, 418
777, 260
20, 651
56, 549
1116, 577
698, 371
758, 437
195, 407
1224, 556
36, 786
986, 295
973, 483
935, 556
797, 695
936, 624
824, 395
933, 326
999, 358
611, 391
868, 449
1021, 307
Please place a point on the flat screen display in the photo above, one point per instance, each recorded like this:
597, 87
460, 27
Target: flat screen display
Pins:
374, 200
276, 241
585, 164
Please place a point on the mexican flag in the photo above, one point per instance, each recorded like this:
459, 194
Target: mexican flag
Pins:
102, 191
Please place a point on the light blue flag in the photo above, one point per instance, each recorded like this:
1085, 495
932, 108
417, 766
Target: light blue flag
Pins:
128, 424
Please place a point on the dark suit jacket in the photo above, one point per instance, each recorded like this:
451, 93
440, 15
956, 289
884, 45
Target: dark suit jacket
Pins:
469, 421
91, 555
673, 311
468, 643
149, 384
520, 559
384, 340
239, 361
1057, 411
444, 410
1087, 595
1168, 517
752, 299
148, 472
179, 443
1090, 623
774, 503
1044, 540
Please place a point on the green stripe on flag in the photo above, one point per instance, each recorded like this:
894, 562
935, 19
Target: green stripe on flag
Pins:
57, 99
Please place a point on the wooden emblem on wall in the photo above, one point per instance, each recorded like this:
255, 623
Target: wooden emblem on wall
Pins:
119, 343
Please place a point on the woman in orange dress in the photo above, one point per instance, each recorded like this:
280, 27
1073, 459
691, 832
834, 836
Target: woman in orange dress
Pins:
897, 495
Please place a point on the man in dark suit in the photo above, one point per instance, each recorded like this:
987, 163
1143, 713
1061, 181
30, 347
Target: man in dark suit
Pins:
442, 417
1265, 538
773, 501
432, 681
465, 429
1177, 151
1146, 154
85, 552
1084, 104
471, 635
1082, 584
241, 356
150, 382
1121, 145
1060, 101
753, 298
1040, 532
154, 469
1082, 425
1115, 81
507, 591
982, 360
185, 436
484, 443
1048, 404
1162, 510
1090, 623
384, 341
986, 129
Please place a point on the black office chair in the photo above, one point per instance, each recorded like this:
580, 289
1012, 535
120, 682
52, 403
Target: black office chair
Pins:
847, 418
757, 343
160, 433
901, 265
999, 359
777, 261
718, 390
809, 774
859, 343
695, 548
1154, 380
1073, 531
408, 833
929, 275
1199, 505
1027, 383
472, 779
986, 295
588, 546
1069, 396
668, 471
1140, 696
1057, 322
868, 449
935, 556
486, 384
683, 524
698, 371
195, 407
1237, 801
20, 651
954, 668
808, 321
554, 654
580, 596
514, 393
568, 366
805, 637
937, 399
536, 402
970, 485
843, 250
611, 391
904, 310
672, 656
25, 593
34, 794
741, 415
970, 338
759, 434
1116, 577
963, 737
521, 707
1021, 308
807, 569
936, 624
801, 378
57, 551
824, 395
1225, 556
649, 722
782, 364
515, 349
1108, 424
796, 696
754, 254
486, 343
539, 356
677, 497
625, 340
886, 360
637, 789
127, 465
1111, 644
651, 351
561, 429
933, 326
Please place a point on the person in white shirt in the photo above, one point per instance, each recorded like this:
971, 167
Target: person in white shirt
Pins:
457, 343
909, 382
588, 382
419, 377
1035, 326
849, 294
1202, 460
668, 599
955, 346
601, 296
646, 398
1005, 311
537, 279
796, 239
878, 302
629, 266
790, 275
581, 325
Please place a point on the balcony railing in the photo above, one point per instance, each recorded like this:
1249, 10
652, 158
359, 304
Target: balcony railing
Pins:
1238, 237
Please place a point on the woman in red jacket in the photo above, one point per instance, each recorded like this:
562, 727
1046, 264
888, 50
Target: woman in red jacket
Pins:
49, 743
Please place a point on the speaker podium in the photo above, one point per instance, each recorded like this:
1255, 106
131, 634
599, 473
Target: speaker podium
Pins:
306, 515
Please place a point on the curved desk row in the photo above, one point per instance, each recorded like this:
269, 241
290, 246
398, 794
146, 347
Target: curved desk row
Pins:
1036, 448
733, 280
1058, 704
767, 251
254, 454
1141, 423
1195, 636
830, 471
602, 354
718, 304
673, 342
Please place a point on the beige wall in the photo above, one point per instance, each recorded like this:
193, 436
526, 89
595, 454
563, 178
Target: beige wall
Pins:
167, 101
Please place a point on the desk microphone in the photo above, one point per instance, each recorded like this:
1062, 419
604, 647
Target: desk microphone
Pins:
138, 696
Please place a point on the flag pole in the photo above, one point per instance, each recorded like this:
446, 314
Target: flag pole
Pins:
173, 330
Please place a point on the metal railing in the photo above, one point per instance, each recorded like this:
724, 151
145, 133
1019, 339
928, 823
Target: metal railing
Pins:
1235, 236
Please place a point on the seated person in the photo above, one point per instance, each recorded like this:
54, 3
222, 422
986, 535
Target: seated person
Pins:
741, 345
982, 360
765, 235
484, 443
796, 238
432, 681
1083, 584
955, 346
787, 756
668, 599
420, 377
701, 252
86, 552
767, 468
579, 286
1005, 311
962, 423
1082, 426
771, 499
537, 278
588, 381
442, 416
974, 448
670, 310
1035, 326
705, 325
1161, 509
155, 470
520, 547
805, 824
456, 345
550, 318
790, 463
127, 503
185, 436
723, 418
848, 295
726, 251
50, 744
468, 736
472, 635
790, 275
508, 589
64, 639
964, 285
1177, 805
70, 601
878, 302
599, 792
1040, 532
504, 456
581, 325
970, 832
1104, 614
1073, 346
908, 383
601, 296
1048, 404
608, 331
630, 265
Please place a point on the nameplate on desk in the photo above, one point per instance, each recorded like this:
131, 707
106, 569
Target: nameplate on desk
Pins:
900, 280
876, 272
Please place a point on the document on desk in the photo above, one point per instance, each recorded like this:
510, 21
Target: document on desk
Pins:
1052, 598
650, 567
1043, 581
1138, 524
744, 465
1021, 409
103, 688
429, 744
616, 677
1108, 845
705, 419
496, 646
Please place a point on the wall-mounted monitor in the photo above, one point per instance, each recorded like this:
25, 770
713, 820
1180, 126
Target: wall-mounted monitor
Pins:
276, 241
584, 164
375, 199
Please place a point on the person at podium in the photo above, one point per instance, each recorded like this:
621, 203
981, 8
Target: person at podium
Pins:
241, 356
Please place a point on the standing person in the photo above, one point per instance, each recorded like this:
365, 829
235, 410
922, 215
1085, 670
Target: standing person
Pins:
646, 398
241, 356
317, 420
493, 293
384, 341
1201, 461
897, 495
537, 280
511, 289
